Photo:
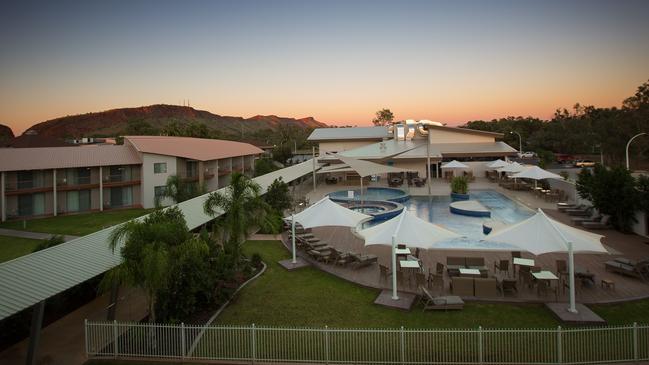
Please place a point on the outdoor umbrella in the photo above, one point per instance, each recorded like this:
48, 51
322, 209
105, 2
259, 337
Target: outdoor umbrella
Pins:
536, 173
512, 168
540, 234
407, 228
497, 164
455, 164
325, 213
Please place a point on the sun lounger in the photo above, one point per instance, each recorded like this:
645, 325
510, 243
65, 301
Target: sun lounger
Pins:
563, 206
362, 260
462, 286
319, 255
579, 212
485, 287
603, 223
338, 258
594, 217
627, 267
440, 303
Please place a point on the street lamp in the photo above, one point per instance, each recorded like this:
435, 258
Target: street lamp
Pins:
627, 147
520, 142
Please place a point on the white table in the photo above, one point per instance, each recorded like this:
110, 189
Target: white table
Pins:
409, 264
545, 275
523, 262
474, 272
402, 251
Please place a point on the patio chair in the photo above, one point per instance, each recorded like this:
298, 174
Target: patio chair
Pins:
637, 269
454, 264
486, 287
603, 223
508, 286
420, 279
440, 303
562, 269
462, 286
436, 281
501, 266
439, 269
516, 254
545, 288
384, 272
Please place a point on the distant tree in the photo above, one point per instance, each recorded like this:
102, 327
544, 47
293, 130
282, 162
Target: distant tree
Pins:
383, 117
180, 190
139, 127
640, 99
264, 166
282, 153
278, 196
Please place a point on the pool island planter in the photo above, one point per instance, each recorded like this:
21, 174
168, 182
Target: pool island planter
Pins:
459, 197
471, 208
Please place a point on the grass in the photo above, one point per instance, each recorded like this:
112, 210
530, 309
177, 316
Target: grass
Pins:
623, 313
12, 247
309, 297
77, 224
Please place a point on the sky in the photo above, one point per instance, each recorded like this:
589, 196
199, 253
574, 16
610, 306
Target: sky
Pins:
338, 61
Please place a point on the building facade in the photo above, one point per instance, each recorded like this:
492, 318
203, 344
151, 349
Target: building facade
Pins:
36, 182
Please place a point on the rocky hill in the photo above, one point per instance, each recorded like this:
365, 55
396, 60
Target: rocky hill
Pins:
6, 134
113, 122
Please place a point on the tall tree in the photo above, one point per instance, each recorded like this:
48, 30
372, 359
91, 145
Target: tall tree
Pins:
383, 117
245, 211
180, 190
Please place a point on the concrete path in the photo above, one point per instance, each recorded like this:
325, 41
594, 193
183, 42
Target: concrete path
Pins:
62, 342
31, 235
265, 237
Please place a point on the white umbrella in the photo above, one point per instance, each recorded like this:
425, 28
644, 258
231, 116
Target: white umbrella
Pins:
325, 213
455, 164
497, 164
512, 167
408, 228
540, 234
536, 173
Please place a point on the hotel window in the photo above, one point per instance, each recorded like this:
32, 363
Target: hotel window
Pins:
159, 167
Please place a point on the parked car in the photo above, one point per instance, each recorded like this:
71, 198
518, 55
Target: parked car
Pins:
527, 154
564, 159
584, 163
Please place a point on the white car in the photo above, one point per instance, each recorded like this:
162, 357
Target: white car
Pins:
527, 155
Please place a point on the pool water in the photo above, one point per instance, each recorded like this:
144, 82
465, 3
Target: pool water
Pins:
368, 209
436, 210
372, 194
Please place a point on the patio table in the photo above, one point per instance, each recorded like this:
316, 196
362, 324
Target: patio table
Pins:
544, 275
402, 251
409, 264
519, 261
469, 272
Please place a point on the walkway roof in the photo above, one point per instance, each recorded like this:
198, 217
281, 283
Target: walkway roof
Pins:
30, 279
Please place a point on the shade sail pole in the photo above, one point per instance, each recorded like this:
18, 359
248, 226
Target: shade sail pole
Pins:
394, 268
428, 163
362, 209
571, 278
293, 237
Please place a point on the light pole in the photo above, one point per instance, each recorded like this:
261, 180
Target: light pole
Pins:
520, 142
627, 147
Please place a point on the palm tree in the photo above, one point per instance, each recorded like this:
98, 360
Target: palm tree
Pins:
179, 190
245, 211
145, 247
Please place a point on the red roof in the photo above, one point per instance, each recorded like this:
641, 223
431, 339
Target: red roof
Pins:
192, 148
17, 159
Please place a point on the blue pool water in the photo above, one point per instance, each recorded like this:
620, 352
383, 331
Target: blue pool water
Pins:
436, 210
390, 194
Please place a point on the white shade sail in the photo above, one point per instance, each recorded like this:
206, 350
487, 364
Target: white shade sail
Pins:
409, 229
541, 234
455, 165
536, 173
497, 164
327, 213
367, 168
512, 168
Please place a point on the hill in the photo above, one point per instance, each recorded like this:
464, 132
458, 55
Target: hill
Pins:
115, 121
6, 134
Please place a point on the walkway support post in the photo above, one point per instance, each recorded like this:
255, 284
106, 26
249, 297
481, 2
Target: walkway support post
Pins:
394, 268
101, 188
428, 163
54, 193
571, 274
293, 238
3, 198
112, 305
35, 333
313, 153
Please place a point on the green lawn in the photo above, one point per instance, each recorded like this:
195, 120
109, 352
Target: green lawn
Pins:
78, 224
12, 247
309, 297
624, 313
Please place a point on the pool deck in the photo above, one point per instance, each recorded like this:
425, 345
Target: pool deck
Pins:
618, 244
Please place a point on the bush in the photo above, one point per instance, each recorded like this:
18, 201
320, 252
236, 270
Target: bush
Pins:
255, 260
460, 185
55, 240
264, 166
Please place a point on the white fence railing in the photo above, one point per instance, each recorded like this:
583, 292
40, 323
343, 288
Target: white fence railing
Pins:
394, 346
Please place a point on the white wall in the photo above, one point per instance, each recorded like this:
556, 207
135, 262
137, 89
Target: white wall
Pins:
151, 180
339, 146
640, 227
442, 136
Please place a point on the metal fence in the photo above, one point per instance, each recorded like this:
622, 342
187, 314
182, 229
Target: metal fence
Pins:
395, 346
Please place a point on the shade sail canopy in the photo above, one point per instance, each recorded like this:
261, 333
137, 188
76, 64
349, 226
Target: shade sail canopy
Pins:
327, 213
409, 229
536, 173
497, 164
455, 164
541, 234
512, 168
367, 168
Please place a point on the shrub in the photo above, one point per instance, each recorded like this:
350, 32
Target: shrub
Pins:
460, 185
255, 260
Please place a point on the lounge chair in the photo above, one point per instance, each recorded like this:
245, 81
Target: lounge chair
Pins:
579, 212
485, 287
603, 223
319, 255
594, 217
338, 258
440, 303
462, 286
362, 260
639, 269
501, 266
563, 206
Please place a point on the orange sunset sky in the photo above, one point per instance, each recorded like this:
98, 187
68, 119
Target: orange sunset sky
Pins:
336, 61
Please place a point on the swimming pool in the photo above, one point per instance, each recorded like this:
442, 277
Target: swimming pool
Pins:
436, 210
390, 194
